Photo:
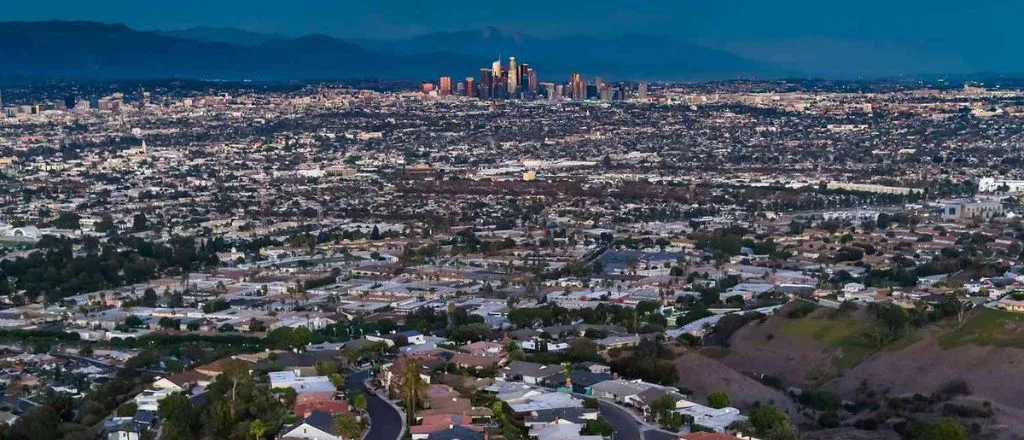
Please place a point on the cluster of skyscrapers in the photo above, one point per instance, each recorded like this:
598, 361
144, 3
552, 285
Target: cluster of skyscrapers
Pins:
519, 81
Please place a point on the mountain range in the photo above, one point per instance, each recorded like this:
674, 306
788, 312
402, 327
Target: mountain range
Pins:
91, 50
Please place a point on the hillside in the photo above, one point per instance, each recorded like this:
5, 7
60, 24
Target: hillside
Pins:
825, 351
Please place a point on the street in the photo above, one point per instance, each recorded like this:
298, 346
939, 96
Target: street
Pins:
385, 422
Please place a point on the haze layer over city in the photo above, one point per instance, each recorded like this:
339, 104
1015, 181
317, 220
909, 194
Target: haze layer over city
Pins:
579, 221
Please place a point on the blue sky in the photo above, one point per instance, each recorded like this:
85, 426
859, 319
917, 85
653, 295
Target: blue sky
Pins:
936, 34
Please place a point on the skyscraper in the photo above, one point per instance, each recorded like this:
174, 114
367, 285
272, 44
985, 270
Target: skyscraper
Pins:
486, 84
446, 86
470, 87
531, 77
513, 77
577, 87
641, 91
496, 68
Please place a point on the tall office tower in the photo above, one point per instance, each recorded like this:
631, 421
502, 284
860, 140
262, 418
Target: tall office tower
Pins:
1, 100
500, 90
641, 90
501, 86
531, 77
553, 91
496, 68
597, 82
486, 84
446, 86
460, 88
606, 92
578, 88
427, 88
513, 77
470, 87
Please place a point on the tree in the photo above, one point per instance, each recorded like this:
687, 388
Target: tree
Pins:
411, 388
257, 429
139, 222
106, 224
300, 337
770, 423
598, 426
127, 409
567, 370
375, 234
38, 423
359, 401
346, 426
179, 418
956, 302
662, 408
718, 399
67, 220
236, 372
948, 428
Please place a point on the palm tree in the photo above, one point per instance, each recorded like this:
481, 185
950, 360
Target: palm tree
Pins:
257, 428
359, 401
567, 369
412, 388
346, 426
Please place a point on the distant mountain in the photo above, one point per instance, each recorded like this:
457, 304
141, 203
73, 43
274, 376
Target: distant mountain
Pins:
627, 57
89, 50
210, 34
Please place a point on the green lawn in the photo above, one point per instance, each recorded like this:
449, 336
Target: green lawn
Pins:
988, 327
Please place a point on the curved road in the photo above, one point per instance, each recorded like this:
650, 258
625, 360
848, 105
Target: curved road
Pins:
624, 424
385, 422
627, 426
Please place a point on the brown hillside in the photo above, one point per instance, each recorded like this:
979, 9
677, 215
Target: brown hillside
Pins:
761, 348
994, 373
704, 375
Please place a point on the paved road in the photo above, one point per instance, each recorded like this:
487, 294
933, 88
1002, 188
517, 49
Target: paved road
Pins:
624, 424
385, 422
628, 426
100, 363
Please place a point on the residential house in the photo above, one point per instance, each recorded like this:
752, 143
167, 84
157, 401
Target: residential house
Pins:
315, 426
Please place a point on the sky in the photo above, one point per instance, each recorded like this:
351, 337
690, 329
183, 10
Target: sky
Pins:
936, 34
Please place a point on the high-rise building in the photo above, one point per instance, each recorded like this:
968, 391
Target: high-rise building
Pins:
513, 76
531, 77
486, 84
551, 90
446, 86
1, 100
577, 87
427, 88
641, 91
470, 87
496, 68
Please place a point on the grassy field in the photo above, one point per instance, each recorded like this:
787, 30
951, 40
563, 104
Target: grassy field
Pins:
988, 327
840, 334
